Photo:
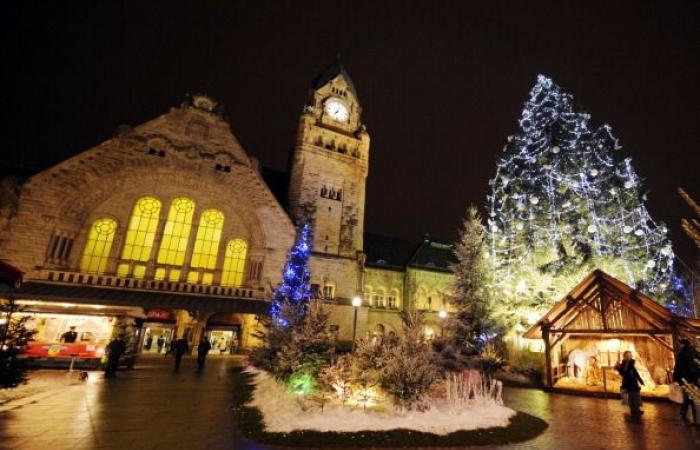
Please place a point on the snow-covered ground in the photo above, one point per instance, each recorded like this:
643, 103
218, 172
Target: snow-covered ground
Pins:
282, 413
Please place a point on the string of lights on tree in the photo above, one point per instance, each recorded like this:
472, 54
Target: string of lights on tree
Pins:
294, 289
563, 203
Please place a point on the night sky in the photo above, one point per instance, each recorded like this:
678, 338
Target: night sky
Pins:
441, 83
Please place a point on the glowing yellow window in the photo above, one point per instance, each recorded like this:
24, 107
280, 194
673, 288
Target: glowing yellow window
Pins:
193, 277
176, 233
142, 229
234, 263
98, 246
139, 271
174, 275
159, 274
207, 278
206, 244
123, 270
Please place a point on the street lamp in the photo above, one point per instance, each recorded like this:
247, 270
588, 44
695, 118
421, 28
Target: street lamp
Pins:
356, 303
442, 315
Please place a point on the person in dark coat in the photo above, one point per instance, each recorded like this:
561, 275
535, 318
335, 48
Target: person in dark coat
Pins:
202, 351
114, 350
630, 383
686, 371
70, 336
179, 348
160, 342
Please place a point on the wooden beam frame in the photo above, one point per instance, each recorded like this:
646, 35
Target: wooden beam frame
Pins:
594, 331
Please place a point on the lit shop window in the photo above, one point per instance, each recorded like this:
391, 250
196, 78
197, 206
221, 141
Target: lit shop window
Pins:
176, 233
98, 245
159, 274
206, 244
234, 263
142, 229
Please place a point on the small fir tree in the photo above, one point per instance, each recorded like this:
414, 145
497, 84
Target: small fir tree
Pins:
409, 371
469, 325
14, 337
295, 289
296, 339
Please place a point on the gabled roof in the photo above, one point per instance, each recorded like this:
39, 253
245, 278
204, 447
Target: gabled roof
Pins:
278, 182
387, 252
329, 73
398, 254
433, 255
603, 304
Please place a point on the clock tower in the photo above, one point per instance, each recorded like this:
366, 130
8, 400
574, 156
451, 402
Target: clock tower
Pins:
330, 165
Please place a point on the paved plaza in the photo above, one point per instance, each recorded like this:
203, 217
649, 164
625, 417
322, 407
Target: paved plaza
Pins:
153, 408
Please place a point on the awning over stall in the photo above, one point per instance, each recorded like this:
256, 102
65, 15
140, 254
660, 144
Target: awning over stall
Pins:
37, 290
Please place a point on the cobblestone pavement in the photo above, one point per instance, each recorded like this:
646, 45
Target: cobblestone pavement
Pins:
153, 408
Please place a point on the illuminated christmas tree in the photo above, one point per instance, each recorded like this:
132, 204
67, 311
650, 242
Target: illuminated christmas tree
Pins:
294, 289
563, 202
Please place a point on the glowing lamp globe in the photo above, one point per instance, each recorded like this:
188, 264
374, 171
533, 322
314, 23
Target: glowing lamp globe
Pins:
356, 301
442, 314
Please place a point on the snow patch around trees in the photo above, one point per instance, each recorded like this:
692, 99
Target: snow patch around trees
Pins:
282, 413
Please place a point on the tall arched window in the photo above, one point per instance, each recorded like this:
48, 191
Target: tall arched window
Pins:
176, 233
206, 244
234, 263
98, 245
142, 229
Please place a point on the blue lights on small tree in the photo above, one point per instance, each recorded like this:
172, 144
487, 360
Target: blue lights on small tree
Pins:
294, 289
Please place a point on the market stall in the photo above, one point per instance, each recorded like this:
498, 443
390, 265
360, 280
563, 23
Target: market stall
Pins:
586, 333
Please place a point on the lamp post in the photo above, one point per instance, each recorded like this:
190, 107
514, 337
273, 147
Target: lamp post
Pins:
356, 303
442, 315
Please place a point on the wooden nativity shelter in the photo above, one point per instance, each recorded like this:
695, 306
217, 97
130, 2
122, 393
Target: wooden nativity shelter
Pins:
586, 333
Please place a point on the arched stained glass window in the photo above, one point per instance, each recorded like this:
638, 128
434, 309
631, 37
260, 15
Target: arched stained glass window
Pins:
98, 245
142, 229
234, 263
176, 233
206, 243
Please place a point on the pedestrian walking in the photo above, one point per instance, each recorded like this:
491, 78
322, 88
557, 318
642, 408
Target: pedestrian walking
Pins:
170, 347
179, 348
160, 342
686, 371
631, 380
115, 349
202, 351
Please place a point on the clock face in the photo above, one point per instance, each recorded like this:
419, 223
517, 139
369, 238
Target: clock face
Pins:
336, 110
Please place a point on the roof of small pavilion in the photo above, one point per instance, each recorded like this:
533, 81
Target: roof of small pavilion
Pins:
602, 304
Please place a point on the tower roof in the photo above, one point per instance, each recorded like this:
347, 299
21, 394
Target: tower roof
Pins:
330, 72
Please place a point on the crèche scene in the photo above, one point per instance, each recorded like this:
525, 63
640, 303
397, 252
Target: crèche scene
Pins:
213, 236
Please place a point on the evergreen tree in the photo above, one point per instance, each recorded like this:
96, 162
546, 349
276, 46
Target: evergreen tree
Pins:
562, 204
469, 324
296, 338
14, 336
408, 369
295, 289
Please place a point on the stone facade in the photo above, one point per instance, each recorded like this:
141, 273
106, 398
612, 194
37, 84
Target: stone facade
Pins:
190, 152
